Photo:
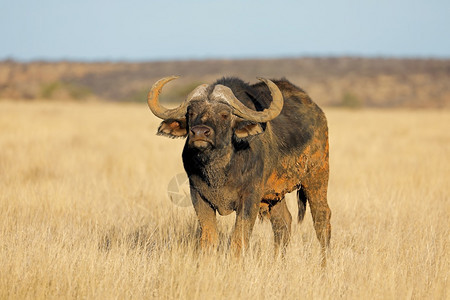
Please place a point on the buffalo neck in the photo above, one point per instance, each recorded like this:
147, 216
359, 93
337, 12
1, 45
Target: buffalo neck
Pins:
211, 166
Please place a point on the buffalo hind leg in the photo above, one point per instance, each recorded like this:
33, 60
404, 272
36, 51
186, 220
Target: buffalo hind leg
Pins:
315, 190
281, 220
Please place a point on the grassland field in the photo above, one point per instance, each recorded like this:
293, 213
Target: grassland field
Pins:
84, 211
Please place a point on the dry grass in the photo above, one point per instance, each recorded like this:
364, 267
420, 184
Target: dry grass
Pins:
84, 212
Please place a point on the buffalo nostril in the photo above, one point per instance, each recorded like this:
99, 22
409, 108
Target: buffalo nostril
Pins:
201, 131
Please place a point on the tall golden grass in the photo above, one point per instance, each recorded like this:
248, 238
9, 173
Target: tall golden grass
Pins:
84, 211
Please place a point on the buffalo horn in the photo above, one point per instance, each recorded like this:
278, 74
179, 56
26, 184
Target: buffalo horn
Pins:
224, 93
173, 113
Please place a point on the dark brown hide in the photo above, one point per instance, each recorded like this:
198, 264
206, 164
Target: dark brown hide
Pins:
236, 164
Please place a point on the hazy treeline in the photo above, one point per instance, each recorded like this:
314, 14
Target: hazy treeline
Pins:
339, 81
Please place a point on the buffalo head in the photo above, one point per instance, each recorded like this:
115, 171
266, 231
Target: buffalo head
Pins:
211, 116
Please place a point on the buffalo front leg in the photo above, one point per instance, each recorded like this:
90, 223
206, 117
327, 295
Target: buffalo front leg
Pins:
281, 220
245, 220
207, 220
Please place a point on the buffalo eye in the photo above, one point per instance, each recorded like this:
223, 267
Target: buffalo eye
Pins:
224, 115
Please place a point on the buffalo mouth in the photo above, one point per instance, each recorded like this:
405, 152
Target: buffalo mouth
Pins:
200, 143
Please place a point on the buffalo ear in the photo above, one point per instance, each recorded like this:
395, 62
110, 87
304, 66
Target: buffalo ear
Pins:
173, 128
248, 129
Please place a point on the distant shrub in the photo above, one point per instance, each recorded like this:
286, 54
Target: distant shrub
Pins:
78, 92
64, 90
350, 100
179, 93
175, 94
138, 96
49, 89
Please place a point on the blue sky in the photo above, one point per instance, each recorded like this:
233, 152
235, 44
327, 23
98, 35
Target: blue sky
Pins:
138, 30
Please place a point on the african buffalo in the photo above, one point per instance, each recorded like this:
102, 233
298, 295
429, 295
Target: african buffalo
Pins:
247, 146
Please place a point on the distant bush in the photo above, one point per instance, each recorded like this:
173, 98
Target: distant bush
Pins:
175, 94
179, 93
350, 100
65, 90
138, 96
49, 89
78, 92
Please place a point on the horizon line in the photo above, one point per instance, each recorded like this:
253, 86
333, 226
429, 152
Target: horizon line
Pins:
220, 58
